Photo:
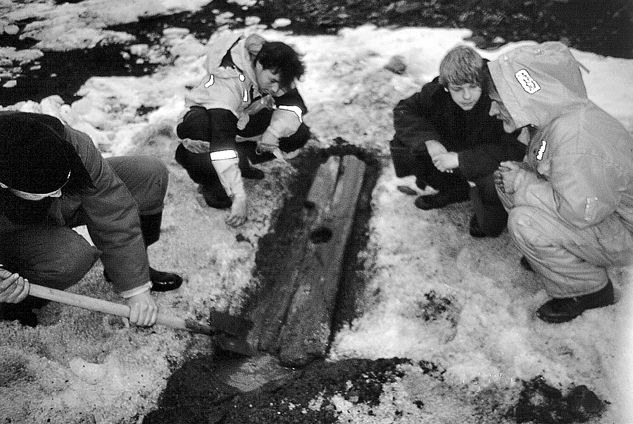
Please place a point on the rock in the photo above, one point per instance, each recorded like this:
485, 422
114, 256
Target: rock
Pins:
11, 29
281, 22
86, 371
396, 65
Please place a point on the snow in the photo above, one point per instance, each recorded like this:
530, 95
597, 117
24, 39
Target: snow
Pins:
434, 293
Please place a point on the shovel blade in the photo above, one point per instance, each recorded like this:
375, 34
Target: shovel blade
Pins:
232, 344
235, 326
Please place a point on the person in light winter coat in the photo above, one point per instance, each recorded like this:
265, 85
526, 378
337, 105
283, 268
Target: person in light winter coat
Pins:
570, 201
53, 178
246, 109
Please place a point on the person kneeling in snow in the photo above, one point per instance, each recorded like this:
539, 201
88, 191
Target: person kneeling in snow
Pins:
570, 201
53, 178
445, 137
245, 110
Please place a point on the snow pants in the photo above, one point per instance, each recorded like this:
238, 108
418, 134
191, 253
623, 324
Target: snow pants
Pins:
57, 256
572, 261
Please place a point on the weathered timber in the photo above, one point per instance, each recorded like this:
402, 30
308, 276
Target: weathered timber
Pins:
305, 335
273, 305
293, 318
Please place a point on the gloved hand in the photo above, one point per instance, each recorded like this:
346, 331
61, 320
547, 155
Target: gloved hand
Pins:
268, 143
239, 212
196, 146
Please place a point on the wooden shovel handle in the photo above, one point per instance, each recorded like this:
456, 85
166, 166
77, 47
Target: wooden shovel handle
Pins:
112, 308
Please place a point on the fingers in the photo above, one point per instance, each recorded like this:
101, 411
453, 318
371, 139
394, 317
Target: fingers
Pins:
239, 212
499, 180
196, 146
13, 289
143, 310
143, 314
236, 220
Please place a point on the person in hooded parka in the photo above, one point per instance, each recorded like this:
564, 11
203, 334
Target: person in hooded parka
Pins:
570, 201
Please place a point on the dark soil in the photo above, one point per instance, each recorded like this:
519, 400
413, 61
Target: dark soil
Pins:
195, 394
603, 27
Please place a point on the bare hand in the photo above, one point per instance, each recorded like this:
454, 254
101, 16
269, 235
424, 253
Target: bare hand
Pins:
13, 288
446, 162
196, 146
505, 175
435, 148
239, 212
143, 309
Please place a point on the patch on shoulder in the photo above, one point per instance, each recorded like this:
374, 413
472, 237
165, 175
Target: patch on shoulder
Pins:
528, 83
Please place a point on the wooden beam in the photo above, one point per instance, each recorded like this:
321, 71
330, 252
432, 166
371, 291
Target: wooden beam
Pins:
306, 332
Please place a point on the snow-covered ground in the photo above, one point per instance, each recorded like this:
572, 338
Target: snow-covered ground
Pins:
485, 334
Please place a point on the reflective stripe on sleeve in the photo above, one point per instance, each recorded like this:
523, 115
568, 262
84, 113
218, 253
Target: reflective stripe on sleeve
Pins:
296, 109
223, 155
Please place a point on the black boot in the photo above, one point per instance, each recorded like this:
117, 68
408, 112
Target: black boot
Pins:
164, 281
215, 197
249, 171
161, 281
474, 229
567, 308
441, 199
21, 312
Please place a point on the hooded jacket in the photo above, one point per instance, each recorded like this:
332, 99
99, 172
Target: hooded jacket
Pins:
580, 158
230, 84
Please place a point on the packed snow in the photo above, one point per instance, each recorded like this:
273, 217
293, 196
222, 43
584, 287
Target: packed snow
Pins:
434, 293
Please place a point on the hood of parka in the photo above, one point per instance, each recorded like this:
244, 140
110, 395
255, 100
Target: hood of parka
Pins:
538, 83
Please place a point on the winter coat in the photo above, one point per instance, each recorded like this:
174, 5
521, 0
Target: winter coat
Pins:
479, 139
581, 158
230, 85
109, 212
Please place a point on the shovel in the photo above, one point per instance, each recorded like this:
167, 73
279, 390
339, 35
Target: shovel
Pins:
229, 332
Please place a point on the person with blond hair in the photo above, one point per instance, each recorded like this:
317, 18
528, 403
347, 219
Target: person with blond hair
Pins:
445, 137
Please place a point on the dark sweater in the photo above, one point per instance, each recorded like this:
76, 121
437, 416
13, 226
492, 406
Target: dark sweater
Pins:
478, 138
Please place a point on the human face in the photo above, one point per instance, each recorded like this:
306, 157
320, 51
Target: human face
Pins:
267, 80
499, 111
465, 95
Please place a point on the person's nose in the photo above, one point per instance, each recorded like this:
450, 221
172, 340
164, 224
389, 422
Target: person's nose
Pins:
466, 94
274, 87
494, 109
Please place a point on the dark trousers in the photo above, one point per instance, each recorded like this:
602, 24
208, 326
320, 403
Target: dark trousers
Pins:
58, 257
491, 215
200, 124
408, 162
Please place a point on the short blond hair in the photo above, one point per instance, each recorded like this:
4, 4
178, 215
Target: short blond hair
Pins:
462, 65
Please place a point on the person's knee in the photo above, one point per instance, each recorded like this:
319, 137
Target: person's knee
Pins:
297, 140
195, 125
71, 261
526, 225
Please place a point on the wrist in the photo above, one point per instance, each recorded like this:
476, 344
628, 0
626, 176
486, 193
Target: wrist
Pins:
136, 291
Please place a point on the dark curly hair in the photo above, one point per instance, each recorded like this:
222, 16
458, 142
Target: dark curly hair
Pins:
281, 59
